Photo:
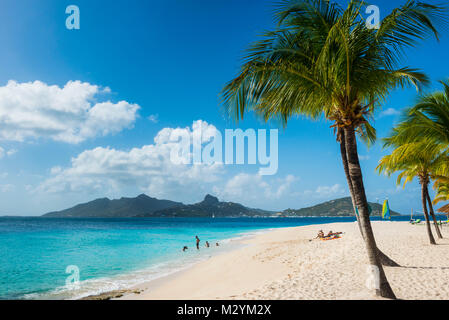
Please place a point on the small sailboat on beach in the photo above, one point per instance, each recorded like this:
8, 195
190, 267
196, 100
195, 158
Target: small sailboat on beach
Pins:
413, 221
386, 210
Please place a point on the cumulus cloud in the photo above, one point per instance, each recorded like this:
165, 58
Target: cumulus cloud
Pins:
364, 157
69, 114
6, 188
323, 192
389, 112
151, 169
8, 153
153, 118
148, 168
254, 186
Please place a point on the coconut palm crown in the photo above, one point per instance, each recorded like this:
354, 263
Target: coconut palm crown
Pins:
428, 119
324, 60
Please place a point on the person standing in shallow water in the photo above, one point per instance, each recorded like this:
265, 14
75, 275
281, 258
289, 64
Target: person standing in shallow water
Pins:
197, 243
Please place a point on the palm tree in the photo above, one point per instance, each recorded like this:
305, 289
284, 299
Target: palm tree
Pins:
428, 120
417, 159
324, 61
384, 259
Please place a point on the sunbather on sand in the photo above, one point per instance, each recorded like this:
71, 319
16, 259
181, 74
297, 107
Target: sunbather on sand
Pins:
334, 234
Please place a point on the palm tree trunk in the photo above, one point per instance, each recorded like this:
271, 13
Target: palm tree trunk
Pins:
424, 207
432, 214
355, 173
344, 159
384, 259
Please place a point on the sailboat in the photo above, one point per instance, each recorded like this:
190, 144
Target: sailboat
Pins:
413, 221
386, 210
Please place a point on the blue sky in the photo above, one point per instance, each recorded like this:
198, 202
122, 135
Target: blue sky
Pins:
155, 66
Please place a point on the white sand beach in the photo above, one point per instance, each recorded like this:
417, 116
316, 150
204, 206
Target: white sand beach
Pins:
285, 264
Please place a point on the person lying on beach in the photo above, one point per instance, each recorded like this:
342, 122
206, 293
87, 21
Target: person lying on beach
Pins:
207, 244
197, 242
320, 234
185, 248
332, 234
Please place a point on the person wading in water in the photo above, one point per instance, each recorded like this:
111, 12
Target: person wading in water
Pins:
197, 242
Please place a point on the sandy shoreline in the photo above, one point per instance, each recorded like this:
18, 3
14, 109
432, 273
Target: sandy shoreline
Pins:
285, 264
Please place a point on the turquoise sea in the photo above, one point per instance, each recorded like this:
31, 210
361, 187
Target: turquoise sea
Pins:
113, 254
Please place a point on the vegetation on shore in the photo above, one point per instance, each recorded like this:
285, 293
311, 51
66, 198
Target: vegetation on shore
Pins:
421, 149
335, 208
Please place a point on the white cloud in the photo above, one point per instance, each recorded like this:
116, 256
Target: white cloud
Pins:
148, 168
325, 192
249, 187
8, 153
364, 158
69, 114
111, 172
389, 112
153, 118
6, 188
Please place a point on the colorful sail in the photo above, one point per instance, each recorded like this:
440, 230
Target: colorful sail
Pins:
386, 211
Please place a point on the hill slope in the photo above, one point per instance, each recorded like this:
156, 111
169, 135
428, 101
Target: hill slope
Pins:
335, 208
120, 208
209, 207
145, 206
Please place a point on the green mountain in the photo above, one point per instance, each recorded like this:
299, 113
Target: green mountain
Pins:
209, 207
145, 206
334, 208
120, 208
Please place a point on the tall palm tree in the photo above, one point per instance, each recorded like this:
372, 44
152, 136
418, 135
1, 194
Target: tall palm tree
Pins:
417, 159
428, 120
324, 61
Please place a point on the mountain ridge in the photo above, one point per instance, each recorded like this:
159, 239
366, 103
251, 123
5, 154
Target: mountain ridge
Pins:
211, 207
145, 206
341, 207
116, 208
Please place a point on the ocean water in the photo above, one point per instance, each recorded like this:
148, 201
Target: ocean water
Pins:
112, 254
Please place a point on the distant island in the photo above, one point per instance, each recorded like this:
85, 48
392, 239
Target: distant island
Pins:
334, 208
144, 206
119, 208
